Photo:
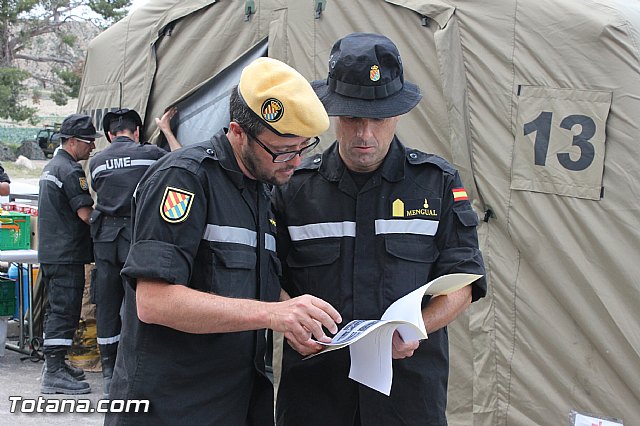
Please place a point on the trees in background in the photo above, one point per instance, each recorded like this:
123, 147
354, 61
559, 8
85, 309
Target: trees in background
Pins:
47, 32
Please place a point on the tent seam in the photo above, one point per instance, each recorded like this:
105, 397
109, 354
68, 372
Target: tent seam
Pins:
508, 219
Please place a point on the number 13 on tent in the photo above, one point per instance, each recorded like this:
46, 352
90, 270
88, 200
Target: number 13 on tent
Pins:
560, 140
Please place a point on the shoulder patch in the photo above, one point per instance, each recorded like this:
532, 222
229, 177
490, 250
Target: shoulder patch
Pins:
176, 204
83, 183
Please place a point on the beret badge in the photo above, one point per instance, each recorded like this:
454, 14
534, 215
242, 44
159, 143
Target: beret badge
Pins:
272, 110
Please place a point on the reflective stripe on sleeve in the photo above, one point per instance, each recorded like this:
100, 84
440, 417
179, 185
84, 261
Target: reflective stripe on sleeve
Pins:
142, 162
132, 163
322, 230
232, 234
52, 178
411, 226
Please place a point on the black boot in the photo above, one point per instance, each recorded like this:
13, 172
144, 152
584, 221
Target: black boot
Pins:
75, 372
108, 364
56, 378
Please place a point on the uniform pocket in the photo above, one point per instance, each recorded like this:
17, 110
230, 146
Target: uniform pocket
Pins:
312, 265
468, 219
466, 216
408, 263
233, 273
307, 254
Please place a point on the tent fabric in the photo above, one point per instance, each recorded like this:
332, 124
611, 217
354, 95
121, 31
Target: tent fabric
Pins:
207, 106
536, 102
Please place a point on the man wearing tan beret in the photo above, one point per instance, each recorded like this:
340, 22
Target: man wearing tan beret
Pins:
202, 271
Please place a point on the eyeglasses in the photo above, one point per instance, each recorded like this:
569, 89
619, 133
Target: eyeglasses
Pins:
283, 157
85, 140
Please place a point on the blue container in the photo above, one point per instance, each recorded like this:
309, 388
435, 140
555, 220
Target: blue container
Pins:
13, 274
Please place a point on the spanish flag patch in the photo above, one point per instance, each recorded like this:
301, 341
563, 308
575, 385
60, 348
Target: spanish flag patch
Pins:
459, 194
175, 204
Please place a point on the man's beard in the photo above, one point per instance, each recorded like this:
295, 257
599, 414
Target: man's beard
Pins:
251, 162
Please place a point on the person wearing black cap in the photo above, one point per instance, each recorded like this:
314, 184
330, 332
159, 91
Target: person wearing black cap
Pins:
115, 172
363, 224
64, 247
202, 273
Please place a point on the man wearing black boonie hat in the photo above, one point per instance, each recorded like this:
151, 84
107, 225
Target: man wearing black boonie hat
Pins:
64, 247
115, 173
202, 273
363, 224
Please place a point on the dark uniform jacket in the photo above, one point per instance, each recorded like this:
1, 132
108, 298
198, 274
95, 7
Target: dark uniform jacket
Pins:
115, 172
361, 250
199, 222
63, 238
3, 176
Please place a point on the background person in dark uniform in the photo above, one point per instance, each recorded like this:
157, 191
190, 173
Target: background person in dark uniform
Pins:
115, 172
5, 188
202, 270
363, 224
64, 247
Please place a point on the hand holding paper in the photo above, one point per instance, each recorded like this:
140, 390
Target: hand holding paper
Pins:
370, 341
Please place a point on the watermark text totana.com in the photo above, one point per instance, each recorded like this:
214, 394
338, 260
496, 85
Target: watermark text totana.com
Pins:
54, 405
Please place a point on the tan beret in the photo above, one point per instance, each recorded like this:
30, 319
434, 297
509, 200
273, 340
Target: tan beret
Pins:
282, 98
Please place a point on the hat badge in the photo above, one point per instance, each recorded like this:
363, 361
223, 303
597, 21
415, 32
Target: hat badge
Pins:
374, 73
272, 110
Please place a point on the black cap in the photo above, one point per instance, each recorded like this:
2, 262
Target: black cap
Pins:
78, 125
120, 114
366, 79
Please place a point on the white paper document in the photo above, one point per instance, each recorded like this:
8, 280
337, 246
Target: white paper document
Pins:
369, 341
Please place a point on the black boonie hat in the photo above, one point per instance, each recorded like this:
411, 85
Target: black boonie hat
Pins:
366, 79
119, 114
78, 125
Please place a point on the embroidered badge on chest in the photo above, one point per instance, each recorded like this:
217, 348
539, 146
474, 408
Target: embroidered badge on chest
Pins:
175, 204
421, 208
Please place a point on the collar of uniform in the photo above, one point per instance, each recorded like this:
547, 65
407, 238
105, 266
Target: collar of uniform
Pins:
64, 153
392, 169
118, 139
393, 164
332, 166
227, 160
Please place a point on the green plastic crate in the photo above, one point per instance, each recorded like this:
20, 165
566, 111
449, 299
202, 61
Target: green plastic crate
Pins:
15, 231
7, 297
7, 288
7, 308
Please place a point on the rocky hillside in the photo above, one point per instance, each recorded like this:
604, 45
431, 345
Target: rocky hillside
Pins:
48, 45
13, 134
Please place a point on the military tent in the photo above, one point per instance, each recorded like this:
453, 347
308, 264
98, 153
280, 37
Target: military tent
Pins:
536, 102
